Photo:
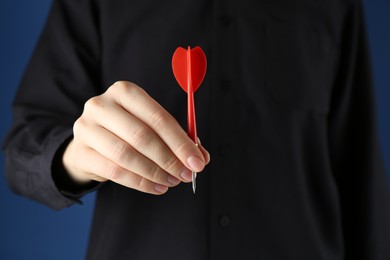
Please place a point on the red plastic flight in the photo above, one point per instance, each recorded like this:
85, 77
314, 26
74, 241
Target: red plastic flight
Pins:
189, 67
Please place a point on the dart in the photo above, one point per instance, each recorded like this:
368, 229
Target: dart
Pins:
189, 68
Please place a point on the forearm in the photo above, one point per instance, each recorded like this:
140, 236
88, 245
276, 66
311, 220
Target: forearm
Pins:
29, 161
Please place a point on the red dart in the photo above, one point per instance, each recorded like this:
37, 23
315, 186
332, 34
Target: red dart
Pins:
189, 68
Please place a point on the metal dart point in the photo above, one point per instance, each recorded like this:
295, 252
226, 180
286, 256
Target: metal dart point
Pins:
194, 176
194, 182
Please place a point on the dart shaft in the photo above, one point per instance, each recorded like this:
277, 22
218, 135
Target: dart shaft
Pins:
190, 102
191, 124
191, 110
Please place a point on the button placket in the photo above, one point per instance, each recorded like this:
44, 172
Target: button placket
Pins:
223, 131
224, 220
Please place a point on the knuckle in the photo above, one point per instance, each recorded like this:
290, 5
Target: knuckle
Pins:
172, 164
118, 86
78, 126
114, 172
159, 119
181, 148
120, 152
138, 183
93, 103
122, 91
145, 185
122, 87
141, 137
155, 173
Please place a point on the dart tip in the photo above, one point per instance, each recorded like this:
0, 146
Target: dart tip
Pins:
194, 182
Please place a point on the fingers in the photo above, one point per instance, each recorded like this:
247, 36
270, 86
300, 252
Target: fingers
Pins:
122, 153
137, 102
98, 167
125, 136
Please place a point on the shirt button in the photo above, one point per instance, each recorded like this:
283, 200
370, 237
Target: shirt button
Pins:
224, 220
225, 20
225, 85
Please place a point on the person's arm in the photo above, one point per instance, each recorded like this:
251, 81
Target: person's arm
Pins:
62, 74
121, 135
354, 149
126, 137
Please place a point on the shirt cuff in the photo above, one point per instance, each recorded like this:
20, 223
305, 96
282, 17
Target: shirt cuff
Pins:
71, 190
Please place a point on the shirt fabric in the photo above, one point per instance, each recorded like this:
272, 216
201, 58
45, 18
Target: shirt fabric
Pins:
286, 110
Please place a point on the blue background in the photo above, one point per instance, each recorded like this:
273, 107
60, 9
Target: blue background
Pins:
29, 230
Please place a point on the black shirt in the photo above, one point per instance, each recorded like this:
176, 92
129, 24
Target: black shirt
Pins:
286, 111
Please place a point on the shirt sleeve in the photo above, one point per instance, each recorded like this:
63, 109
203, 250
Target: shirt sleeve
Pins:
62, 74
355, 153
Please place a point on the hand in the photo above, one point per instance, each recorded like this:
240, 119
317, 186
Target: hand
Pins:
125, 136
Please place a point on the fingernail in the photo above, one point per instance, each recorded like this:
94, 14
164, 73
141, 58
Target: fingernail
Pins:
195, 163
186, 174
160, 188
206, 154
172, 180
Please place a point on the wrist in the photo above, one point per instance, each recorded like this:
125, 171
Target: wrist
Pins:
70, 185
75, 176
